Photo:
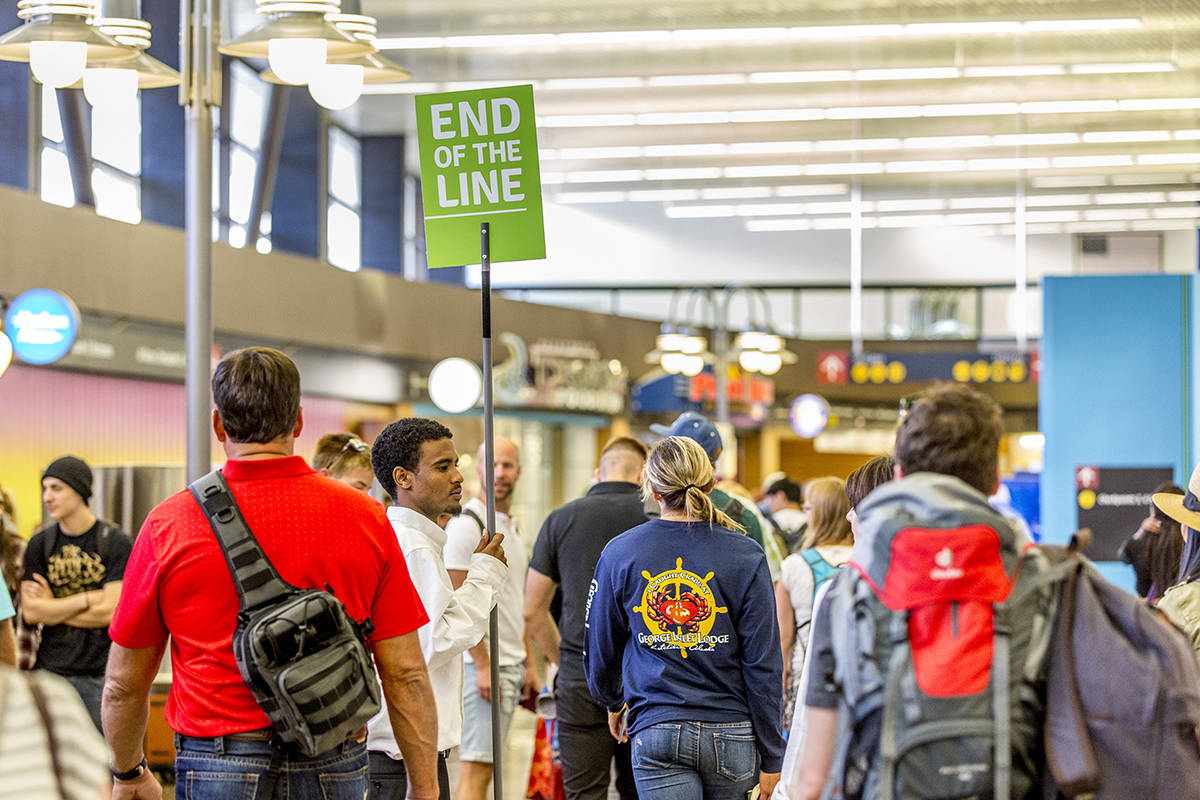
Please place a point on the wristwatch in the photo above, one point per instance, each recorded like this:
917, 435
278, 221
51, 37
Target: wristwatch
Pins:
131, 774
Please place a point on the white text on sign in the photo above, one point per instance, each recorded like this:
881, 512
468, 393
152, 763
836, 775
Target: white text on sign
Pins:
479, 180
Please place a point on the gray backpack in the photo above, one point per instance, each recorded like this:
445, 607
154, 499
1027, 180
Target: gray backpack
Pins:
298, 650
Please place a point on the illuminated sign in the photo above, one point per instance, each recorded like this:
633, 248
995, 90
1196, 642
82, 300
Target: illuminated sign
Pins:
42, 325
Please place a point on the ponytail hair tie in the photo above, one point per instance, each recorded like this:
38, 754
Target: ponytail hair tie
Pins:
690, 486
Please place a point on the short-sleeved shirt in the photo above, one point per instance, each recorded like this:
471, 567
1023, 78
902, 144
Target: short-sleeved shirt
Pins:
316, 531
566, 552
78, 563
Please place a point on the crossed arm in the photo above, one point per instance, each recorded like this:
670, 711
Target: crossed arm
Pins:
90, 609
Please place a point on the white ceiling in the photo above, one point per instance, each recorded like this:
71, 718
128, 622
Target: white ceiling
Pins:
1136, 64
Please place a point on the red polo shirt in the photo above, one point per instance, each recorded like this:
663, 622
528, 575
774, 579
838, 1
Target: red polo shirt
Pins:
315, 530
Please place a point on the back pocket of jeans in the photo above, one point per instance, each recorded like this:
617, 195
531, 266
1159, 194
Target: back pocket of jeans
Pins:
219, 785
737, 755
656, 746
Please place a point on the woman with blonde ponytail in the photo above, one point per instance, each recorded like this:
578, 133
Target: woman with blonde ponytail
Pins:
681, 641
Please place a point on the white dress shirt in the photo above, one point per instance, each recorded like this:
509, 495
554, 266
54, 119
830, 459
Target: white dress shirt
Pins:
462, 537
457, 621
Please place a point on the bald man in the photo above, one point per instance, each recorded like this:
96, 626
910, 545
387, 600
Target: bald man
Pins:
565, 556
517, 675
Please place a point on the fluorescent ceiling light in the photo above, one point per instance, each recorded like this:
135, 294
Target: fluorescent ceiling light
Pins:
1075, 162
969, 109
605, 176
587, 120
948, 165
649, 195
564, 198
990, 164
1041, 201
874, 112
831, 224
804, 76
696, 80
937, 142
1051, 216
556, 84
1129, 198
1163, 225
855, 145
691, 35
1106, 137
1187, 135
1069, 106
1161, 104
767, 171
1178, 212
553, 178
1169, 158
668, 150
699, 212
768, 225
856, 168
584, 153
683, 174
1116, 213
811, 189
1033, 139
1068, 181
906, 74
1014, 70
1184, 197
684, 118
917, 204
1156, 179
770, 209
778, 115
1094, 227
979, 219
1130, 66
837, 207
760, 148
736, 193
982, 202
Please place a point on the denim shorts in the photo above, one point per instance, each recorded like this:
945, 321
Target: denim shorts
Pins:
221, 768
693, 760
476, 742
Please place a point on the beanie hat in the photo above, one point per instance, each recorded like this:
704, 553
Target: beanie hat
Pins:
74, 473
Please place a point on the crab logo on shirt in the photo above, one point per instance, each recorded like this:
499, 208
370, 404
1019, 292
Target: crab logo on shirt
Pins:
679, 610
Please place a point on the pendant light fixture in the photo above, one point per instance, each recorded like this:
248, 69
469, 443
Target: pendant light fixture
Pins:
339, 83
296, 39
114, 86
58, 41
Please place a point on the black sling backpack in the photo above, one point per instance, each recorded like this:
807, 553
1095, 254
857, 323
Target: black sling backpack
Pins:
298, 650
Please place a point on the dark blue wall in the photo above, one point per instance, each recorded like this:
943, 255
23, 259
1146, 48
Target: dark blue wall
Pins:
383, 203
14, 111
163, 131
294, 209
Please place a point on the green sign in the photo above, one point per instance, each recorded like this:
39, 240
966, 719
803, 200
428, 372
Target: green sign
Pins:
479, 163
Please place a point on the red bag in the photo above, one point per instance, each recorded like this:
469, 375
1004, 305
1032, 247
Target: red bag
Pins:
545, 774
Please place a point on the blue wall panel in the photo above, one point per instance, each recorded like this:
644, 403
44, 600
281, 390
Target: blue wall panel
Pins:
14, 111
163, 130
294, 212
383, 203
1114, 385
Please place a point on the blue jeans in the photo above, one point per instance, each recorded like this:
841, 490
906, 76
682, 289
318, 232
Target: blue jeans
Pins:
221, 768
90, 687
693, 760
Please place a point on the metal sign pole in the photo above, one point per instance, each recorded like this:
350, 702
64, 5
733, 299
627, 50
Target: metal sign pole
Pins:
490, 495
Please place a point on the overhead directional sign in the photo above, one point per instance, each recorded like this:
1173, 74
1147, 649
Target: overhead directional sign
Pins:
479, 163
835, 367
1113, 501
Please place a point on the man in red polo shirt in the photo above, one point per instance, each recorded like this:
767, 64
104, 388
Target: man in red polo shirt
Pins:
317, 532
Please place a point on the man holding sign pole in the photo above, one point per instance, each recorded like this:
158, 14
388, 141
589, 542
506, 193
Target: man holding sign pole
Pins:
479, 167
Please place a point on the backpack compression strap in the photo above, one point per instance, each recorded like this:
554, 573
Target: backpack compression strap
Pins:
254, 577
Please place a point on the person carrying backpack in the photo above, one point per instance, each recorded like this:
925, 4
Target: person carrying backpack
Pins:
914, 694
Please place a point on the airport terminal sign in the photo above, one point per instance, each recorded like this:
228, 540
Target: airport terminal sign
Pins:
42, 325
1113, 501
479, 163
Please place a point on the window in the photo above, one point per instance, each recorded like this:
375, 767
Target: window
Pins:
344, 211
116, 160
248, 100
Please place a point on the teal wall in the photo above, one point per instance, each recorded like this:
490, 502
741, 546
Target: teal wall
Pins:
1118, 376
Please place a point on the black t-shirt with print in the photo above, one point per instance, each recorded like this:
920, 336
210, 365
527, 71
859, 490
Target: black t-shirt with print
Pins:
75, 565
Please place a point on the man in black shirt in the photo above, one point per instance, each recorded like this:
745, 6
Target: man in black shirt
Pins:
73, 574
565, 555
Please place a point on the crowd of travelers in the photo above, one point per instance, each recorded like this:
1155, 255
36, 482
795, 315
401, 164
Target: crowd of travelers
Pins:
887, 635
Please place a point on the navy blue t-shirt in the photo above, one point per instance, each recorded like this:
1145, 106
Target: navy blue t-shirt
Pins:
681, 626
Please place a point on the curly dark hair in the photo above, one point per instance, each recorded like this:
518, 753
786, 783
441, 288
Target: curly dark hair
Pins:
399, 445
952, 430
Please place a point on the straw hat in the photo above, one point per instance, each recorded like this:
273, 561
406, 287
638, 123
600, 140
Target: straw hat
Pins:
1185, 508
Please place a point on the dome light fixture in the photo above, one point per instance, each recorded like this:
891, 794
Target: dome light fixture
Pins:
339, 83
296, 39
114, 86
58, 41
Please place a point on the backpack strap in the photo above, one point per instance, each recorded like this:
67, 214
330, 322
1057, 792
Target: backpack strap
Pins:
254, 577
466, 512
1001, 711
822, 570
